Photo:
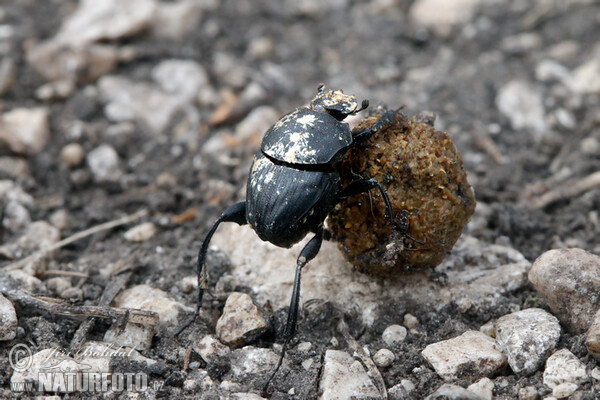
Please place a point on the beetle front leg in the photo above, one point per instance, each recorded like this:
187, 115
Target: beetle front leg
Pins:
236, 213
363, 186
362, 135
308, 253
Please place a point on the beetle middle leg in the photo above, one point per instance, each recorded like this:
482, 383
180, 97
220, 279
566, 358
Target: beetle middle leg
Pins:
236, 213
308, 253
363, 186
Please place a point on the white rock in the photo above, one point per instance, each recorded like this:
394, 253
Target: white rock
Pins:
564, 367
15, 217
37, 235
241, 321
25, 130
14, 167
8, 319
452, 392
133, 335
104, 164
58, 284
483, 388
210, 349
527, 337
383, 358
564, 390
344, 377
394, 334
72, 155
410, 321
252, 128
25, 280
11, 191
528, 393
251, 362
522, 103
442, 16
141, 232
472, 350
105, 20
183, 78
569, 280
586, 78
176, 20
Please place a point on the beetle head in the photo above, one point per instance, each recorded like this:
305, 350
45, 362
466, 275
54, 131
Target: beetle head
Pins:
336, 103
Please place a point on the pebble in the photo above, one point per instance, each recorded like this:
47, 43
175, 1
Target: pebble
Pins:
14, 168
37, 235
60, 219
11, 191
15, 217
564, 367
592, 340
453, 392
522, 103
26, 281
569, 281
8, 319
343, 377
58, 284
56, 90
104, 164
211, 350
394, 334
251, 362
484, 388
586, 78
383, 358
564, 390
72, 155
527, 337
401, 391
141, 232
472, 351
146, 298
251, 129
528, 393
140, 101
442, 16
183, 78
95, 21
188, 284
489, 328
304, 347
241, 321
522, 43
25, 130
410, 321
176, 20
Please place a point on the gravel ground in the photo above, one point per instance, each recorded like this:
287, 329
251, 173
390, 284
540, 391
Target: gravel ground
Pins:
108, 108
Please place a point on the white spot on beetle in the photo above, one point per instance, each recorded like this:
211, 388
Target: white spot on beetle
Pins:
307, 119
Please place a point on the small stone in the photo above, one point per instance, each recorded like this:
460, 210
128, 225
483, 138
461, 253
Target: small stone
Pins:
261, 47
472, 351
72, 155
586, 78
251, 362
592, 340
394, 334
58, 284
383, 358
483, 388
452, 392
564, 367
527, 337
38, 235
57, 90
251, 129
141, 232
183, 78
523, 105
11, 191
60, 219
528, 393
402, 390
489, 328
25, 130
176, 20
410, 321
72, 293
8, 319
247, 396
564, 390
522, 43
188, 284
241, 321
15, 217
595, 373
14, 168
304, 347
569, 280
104, 164
211, 350
25, 280
343, 377
442, 16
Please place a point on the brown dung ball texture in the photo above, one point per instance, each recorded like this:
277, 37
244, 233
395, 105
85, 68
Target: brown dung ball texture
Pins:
422, 172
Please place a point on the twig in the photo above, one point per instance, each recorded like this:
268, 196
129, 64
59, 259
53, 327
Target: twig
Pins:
59, 272
53, 306
566, 190
121, 274
79, 235
489, 146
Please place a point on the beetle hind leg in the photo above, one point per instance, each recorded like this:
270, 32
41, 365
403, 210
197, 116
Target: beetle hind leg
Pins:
363, 186
236, 213
308, 253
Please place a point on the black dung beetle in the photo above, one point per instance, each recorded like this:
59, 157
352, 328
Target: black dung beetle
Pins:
293, 186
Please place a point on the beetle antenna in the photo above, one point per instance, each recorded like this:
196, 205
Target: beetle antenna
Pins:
363, 106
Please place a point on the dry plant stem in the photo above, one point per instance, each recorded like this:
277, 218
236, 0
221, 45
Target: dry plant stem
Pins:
52, 306
58, 272
121, 275
567, 190
487, 144
79, 235
364, 358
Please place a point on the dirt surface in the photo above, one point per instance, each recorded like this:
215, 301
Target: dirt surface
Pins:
378, 50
